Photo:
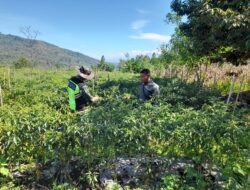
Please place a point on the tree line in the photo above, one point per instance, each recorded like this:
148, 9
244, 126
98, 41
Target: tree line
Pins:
207, 31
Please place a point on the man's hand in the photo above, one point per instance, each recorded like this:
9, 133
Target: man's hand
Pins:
95, 99
128, 97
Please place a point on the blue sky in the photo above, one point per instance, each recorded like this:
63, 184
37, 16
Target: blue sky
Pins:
92, 27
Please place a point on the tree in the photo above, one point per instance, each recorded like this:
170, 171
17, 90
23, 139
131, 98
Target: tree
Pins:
22, 63
110, 67
102, 64
135, 64
154, 59
181, 48
29, 33
31, 36
219, 29
105, 66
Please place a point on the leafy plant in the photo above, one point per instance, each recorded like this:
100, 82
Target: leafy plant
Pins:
37, 131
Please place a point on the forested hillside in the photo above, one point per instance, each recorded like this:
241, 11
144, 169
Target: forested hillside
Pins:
42, 54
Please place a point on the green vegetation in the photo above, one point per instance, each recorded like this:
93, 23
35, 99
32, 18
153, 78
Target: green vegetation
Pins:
218, 29
176, 53
206, 32
138, 63
44, 145
22, 63
38, 134
103, 66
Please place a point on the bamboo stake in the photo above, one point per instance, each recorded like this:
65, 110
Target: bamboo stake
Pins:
187, 74
231, 89
204, 79
108, 77
170, 71
9, 79
175, 72
197, 78
200, 71
1, 96
14, 76
182, 72
93, 83
215, 80
166, 73
4, 79
238, 94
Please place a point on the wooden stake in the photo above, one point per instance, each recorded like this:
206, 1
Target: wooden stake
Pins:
108, 77
204, 80
93, 83
238, 94
215, 80
231, 89
14, 76
170, 71
4, 79
197, 75
9, 79
175, 72
200, 72
1, 96
187, 75
182, 72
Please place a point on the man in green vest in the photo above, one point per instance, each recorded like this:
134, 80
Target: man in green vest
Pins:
79, 96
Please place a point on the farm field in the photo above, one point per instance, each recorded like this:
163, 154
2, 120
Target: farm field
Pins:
79, 111
44, 146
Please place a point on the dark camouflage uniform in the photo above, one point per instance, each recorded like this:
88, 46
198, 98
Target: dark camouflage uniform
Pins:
149, 90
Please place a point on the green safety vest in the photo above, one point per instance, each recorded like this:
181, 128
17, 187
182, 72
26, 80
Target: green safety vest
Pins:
74, 92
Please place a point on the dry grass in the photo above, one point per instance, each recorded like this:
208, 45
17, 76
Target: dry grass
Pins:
212, 75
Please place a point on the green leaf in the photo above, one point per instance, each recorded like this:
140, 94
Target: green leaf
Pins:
5, 172
238, 169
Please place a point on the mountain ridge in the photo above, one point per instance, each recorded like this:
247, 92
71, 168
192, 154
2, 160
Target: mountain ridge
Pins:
41, 53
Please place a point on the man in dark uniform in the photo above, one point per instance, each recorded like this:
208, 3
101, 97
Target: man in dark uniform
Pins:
79, 95
148, 89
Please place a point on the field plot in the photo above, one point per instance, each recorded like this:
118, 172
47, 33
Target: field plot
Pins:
190, 140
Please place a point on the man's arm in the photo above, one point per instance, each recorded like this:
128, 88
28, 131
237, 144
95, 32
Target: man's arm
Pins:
156, 92
141, 93
88, 95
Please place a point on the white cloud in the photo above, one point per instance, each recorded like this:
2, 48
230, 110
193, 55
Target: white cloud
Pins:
139, 24
152, 36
